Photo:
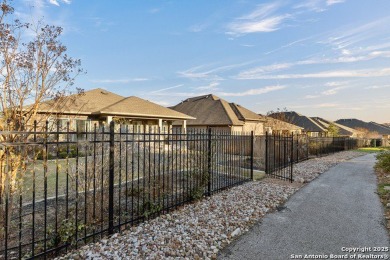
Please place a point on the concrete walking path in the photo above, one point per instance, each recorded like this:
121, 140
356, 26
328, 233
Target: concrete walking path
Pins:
338, 211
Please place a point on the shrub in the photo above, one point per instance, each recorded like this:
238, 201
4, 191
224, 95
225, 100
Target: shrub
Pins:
383, 161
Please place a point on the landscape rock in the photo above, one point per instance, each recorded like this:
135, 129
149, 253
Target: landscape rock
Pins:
199, 230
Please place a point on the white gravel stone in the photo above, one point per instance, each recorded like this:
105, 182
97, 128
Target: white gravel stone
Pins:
199, 230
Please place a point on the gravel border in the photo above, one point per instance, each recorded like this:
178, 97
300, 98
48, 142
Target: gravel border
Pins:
201, 229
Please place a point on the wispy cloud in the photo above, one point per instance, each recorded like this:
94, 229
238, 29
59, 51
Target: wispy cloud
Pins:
120, 81
377, 87
262, 19
247, 45
311, 96
154, 10
332, 2
212, 86
262, 70
326, 74
312, 5
290, 44
353, 34
56, 2
331, 91
266, 25
334, 87
207, 72
335, 83
165, 89
251, 92
321, 105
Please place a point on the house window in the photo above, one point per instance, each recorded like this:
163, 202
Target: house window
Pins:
62, 124
82, 125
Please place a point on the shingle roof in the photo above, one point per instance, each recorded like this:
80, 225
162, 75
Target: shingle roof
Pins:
370, 126
212, 110
244, 114
138, 107
83, 104
343, 130
277, 124
305, 122
100, 101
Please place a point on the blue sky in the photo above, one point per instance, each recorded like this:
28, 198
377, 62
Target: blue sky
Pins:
327, 58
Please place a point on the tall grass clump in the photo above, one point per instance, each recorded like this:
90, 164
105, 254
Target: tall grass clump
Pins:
383, 161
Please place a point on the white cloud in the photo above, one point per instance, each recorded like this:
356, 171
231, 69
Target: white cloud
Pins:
264, 70
266, 25
55, 2
353, 34
311, 5
327, 105
203, 72
336, 83
326, 74
377, 87
260, 20
332, 2
211, 86
164, 89
331, 91
311, 96
252, 92
261, 11
322, 105
247, 45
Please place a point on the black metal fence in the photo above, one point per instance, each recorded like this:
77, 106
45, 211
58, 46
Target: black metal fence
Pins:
283, 151
279, 157
60, 190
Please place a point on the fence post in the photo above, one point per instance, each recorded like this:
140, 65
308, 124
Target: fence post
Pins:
292, 157
252, 153
111, 180
266, 152
209, 172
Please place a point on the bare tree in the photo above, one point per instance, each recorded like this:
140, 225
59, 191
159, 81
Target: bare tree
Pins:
31, 72
365, 133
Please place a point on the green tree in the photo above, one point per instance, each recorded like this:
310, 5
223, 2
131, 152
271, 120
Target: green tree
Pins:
333, 130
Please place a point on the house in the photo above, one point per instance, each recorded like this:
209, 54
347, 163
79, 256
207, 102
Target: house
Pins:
369, 129
343, 131
309, 125
275, 126
99, 106
211, 111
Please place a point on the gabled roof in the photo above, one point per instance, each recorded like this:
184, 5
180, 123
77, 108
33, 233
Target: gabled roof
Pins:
81, 104
277, 124
211, 110
138, 107
103, 102
370, 126
244, 114
343, 130
307, 123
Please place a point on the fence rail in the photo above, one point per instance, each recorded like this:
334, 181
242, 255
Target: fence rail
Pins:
282, 151
62, 189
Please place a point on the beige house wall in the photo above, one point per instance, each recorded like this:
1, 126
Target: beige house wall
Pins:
257, 128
